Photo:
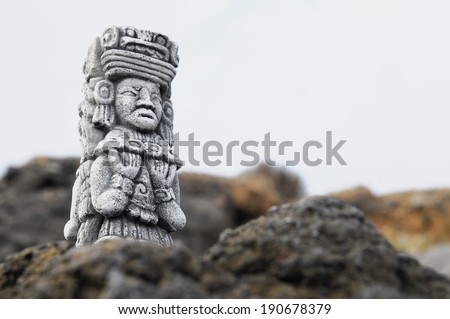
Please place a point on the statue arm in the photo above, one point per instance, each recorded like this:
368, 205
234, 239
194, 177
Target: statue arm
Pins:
166, 191
72, 226
109, 196
176, 189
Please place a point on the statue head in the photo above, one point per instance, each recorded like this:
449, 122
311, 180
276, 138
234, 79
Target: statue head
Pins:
138, 104
128, 76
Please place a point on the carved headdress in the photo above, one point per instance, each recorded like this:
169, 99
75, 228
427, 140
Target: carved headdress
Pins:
126, 52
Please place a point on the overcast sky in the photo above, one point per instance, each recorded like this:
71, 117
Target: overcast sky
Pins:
375, 73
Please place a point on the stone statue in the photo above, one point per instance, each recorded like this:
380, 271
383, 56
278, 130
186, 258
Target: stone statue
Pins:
127, 184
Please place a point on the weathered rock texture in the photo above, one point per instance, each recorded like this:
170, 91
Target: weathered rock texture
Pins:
413, 221
318, 247
35, 200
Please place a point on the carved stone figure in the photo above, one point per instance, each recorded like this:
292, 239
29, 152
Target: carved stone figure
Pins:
127, 184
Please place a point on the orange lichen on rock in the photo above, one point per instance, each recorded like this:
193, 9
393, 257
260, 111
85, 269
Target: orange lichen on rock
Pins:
412, 220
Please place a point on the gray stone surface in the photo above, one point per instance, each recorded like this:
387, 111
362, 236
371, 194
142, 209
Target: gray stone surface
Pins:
127, 183
316, 248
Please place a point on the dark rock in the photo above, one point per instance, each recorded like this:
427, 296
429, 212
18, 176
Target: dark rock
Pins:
20, 271
112, 269
317, 248
328, 248
35, 203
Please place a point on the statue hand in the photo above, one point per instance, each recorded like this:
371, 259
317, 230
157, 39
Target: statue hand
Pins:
125, 164
158, 171
71, 229
111, 203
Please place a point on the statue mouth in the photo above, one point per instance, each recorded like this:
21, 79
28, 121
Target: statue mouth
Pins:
147, 114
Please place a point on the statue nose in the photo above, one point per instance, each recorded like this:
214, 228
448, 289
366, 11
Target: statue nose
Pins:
144, 98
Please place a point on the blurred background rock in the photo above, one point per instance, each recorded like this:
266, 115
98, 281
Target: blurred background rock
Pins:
35, 204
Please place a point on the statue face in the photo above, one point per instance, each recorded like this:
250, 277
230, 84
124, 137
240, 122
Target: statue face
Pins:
138, 104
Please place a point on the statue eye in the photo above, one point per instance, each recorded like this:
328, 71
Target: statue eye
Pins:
128, 93
156, 97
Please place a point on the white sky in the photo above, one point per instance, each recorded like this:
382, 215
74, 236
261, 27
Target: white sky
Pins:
376, 73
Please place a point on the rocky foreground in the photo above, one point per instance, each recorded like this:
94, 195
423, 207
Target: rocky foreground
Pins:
316, 248
234, 246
